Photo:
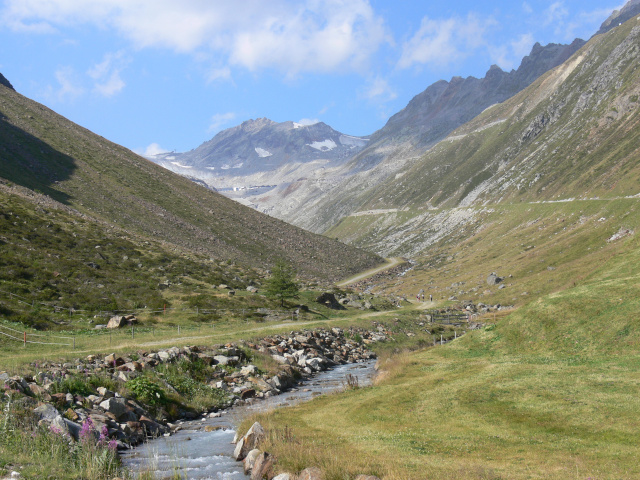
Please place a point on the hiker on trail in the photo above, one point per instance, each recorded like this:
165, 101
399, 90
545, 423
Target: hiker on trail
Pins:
431, 298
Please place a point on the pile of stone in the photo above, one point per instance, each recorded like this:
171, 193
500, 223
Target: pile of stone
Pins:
300, 355
309, 352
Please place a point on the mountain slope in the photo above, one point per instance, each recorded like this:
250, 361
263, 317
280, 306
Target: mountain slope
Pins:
45, 152
318, 202
543, 187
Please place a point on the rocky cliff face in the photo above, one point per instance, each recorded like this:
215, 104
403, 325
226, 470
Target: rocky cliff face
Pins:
444, 106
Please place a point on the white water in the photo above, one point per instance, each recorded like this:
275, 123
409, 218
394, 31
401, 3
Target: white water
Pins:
194, 453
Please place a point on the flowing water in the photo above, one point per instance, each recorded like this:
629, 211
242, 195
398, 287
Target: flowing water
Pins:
194, 453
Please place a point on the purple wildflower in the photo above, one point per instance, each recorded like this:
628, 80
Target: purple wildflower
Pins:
55, 429
104, 434
87, 429
113, 444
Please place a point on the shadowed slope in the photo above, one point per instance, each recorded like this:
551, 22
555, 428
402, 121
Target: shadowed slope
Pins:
46, 152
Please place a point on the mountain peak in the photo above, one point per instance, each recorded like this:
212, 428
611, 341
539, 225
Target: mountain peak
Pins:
257, 124
630, 10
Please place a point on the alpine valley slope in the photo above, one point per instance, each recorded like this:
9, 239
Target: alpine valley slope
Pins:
292, 171
542, 188
44, 152
572, 135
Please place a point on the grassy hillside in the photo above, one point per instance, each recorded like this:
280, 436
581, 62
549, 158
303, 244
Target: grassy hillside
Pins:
44, 152
550, 392
573, 134
53, 257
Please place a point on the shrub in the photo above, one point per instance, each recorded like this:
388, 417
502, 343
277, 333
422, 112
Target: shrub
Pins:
146, 390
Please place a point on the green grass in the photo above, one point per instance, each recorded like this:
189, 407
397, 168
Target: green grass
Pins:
549, 392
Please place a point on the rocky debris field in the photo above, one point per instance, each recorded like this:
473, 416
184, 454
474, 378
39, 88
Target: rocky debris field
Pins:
129, 419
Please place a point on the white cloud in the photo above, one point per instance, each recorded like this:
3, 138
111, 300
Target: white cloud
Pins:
555, 13
523, 45
509, 56
289, 35
152, 150
441, 42
69, 87
526, 8
107, 74
219, 120
223, 73
378, 89
308, 121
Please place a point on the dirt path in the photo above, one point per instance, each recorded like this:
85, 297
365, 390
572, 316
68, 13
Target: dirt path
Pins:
391, 263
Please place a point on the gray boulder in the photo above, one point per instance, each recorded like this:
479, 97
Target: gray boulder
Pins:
249, 442
46, 412
250, 460
312, 473
116, 406
494, 279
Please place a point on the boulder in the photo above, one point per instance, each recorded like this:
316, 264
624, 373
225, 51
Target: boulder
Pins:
284, 476
248, 370
46, 412
250, 460
312, 473
329, 300
58, 425
262, 466
493, 279
151, 427
116, 406
249, 441
118, 321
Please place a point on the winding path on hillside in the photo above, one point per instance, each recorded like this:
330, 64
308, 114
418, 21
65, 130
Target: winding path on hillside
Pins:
391, 263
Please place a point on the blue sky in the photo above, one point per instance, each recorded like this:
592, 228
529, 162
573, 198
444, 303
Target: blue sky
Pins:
167, 75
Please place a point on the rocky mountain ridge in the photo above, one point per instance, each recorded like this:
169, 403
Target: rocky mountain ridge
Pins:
259, 155
568, 137
427, 119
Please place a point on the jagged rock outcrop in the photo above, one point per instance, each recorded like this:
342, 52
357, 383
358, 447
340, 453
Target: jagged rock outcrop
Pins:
5, 82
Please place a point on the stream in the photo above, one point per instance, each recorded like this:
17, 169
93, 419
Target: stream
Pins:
194, 453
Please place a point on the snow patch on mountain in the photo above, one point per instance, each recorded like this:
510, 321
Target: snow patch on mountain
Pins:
324, 146
262, 153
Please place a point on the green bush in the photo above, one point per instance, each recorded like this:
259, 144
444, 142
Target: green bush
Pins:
146, 390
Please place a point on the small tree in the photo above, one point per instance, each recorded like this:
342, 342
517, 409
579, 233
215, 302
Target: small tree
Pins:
282, 282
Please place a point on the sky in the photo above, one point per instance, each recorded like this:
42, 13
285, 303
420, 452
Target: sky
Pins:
167, 75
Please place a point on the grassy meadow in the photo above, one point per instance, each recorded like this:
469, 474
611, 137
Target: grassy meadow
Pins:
548, 392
